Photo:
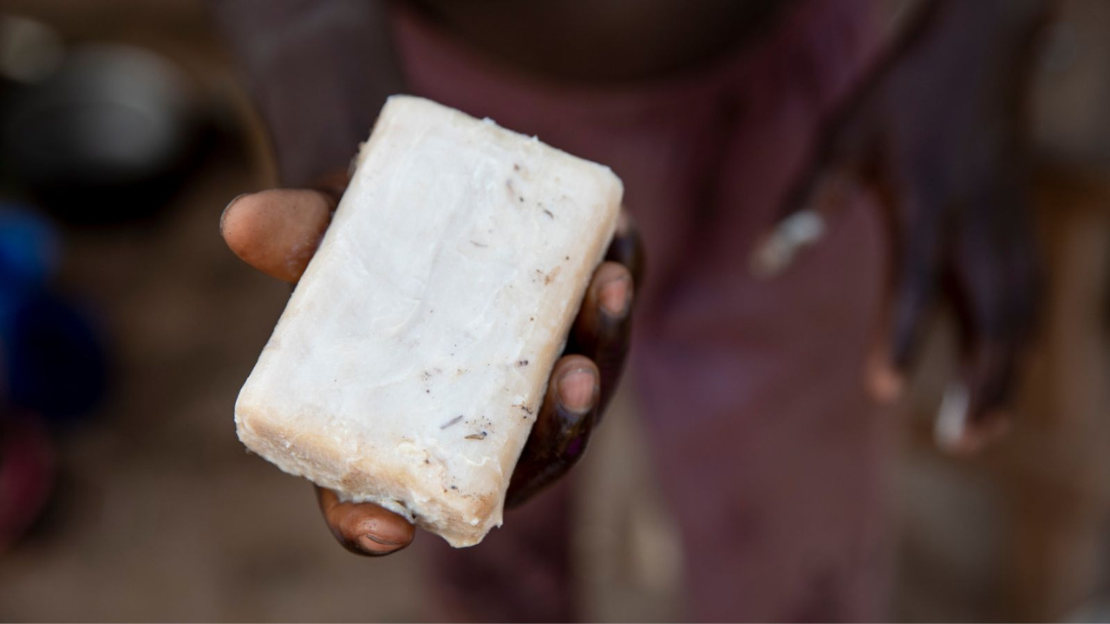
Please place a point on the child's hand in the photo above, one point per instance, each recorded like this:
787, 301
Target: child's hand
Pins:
937, 130
278, 231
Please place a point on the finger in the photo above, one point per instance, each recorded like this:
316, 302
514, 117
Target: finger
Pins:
603, 329
957, 434
847, 152
851, 139
627, 247
277, 231
855, 143
994, 342
364, 528
562, 430
883, 381
975, 410
994, 301
914, 234
973, 439
852, 144
802, 225
912, 308
895, 350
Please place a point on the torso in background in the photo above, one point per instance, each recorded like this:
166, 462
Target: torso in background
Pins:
602, 40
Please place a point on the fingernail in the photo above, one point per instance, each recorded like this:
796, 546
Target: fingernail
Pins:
624, 223
776, 252
227, 208
376, 546
576, 390
884, 381
952, 418
615, 295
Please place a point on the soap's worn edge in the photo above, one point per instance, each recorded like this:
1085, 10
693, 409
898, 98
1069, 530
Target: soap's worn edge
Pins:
303, 455
317, 456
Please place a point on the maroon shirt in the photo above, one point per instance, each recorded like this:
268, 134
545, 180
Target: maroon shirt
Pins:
770, 453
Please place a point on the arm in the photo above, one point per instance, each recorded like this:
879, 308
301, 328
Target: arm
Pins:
319, 72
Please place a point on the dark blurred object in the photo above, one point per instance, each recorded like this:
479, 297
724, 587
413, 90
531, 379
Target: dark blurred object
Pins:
106, 137
56, 359
52, 359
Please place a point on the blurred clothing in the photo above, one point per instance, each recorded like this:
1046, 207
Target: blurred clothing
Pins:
771, 455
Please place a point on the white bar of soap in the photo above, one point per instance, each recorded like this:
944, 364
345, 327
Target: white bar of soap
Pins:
411, 360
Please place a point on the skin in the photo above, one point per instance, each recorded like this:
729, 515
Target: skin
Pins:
937, 133
277, 231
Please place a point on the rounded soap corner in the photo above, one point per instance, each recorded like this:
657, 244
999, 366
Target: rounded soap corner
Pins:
245, 416
401, 97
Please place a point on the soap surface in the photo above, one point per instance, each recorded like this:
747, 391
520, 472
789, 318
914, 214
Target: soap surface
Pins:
410, 362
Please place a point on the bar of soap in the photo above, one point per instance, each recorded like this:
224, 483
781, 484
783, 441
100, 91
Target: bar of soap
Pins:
410, 362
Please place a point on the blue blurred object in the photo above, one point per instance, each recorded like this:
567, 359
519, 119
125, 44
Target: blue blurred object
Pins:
52, 359
28, 248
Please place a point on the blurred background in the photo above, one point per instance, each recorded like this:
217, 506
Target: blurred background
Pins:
127, 327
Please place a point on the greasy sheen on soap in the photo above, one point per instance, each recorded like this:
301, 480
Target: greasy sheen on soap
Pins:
411, 360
